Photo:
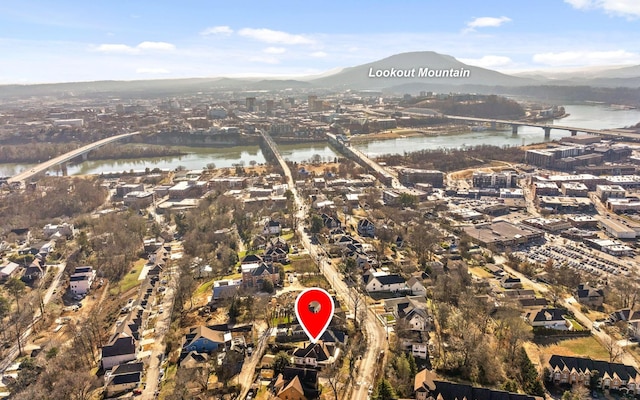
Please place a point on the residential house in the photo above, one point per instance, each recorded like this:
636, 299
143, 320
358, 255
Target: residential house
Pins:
307, 377
272, 227
121, 349
590, 296
510, 282
33, 272
276, 254
387, 283
576, 370
428, 386
225, 288
8, 271
280, 243
416, 287
118, 384
253, 275
538, 302
81, 280
251, 259
330, 222
194, 360
292, 390
316, 355
551, 318
204, 340
63, 230
366, 228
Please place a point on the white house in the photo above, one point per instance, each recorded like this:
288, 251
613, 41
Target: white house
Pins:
316, 355
9, 270
81, 280
551, 318
416, 287
272, 228
386, 283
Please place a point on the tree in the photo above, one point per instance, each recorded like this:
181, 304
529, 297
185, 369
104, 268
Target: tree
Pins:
384, 391
316, 224
615, 351
334, 377
280, 361
16, 287
528, 375
407, 200
234, 310
267, 286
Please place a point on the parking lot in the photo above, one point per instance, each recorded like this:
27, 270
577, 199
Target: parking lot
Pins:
575, 255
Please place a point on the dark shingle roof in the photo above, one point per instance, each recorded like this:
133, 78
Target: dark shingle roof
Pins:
390, 279
132, 377
119, 346
127, 368
583, 364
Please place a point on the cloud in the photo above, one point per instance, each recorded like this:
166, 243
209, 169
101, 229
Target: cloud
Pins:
318, 54
271, 36
486, 22
161, 46
274, 50
587, 58
152, 71
117, 48
217, 30
489, 61
627, 8
126, 49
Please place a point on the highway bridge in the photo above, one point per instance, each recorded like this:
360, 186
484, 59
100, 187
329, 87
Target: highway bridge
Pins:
79, 152
609, 133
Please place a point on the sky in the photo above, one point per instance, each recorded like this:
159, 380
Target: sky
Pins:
67, 41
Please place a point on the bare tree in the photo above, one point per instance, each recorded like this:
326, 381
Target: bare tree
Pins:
615, 351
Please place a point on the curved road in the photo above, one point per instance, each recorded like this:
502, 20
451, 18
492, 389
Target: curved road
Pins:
24, 175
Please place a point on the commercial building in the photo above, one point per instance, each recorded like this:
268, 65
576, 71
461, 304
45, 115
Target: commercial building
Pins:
503, 233
410, 176
605, 192
617, 229
574, 189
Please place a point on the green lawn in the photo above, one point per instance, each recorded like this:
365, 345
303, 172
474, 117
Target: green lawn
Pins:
204, 288
579, 347
130, 280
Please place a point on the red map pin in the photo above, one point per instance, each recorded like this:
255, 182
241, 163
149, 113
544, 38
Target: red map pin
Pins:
314, 309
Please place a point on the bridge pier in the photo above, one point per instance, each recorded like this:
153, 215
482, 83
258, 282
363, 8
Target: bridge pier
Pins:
493, 125
573, 132
63, 168
85, 156
547, 132
514, 130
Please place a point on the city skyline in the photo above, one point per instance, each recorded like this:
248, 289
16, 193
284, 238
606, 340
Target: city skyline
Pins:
46, 42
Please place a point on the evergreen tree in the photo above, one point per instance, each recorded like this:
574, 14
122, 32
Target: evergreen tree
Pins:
384, 391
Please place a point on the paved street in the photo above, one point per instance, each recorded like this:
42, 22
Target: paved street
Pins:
374, 332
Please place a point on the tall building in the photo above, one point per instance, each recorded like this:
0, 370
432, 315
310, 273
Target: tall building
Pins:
250, 103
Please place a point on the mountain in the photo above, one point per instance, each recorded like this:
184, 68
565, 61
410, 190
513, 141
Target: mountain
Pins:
359, 77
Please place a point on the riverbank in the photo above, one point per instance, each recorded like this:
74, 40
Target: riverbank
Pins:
411, 132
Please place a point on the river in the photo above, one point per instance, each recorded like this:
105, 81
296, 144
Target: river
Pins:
582, 116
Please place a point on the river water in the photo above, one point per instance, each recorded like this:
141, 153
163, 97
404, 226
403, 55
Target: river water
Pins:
582, 116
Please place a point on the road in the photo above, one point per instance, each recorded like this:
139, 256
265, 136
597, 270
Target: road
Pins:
245, 379
12, 352
373, 330
23, 176
163, 323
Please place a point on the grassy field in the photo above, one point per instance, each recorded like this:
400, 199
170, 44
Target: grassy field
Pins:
130, 280
480, 272
578, 347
